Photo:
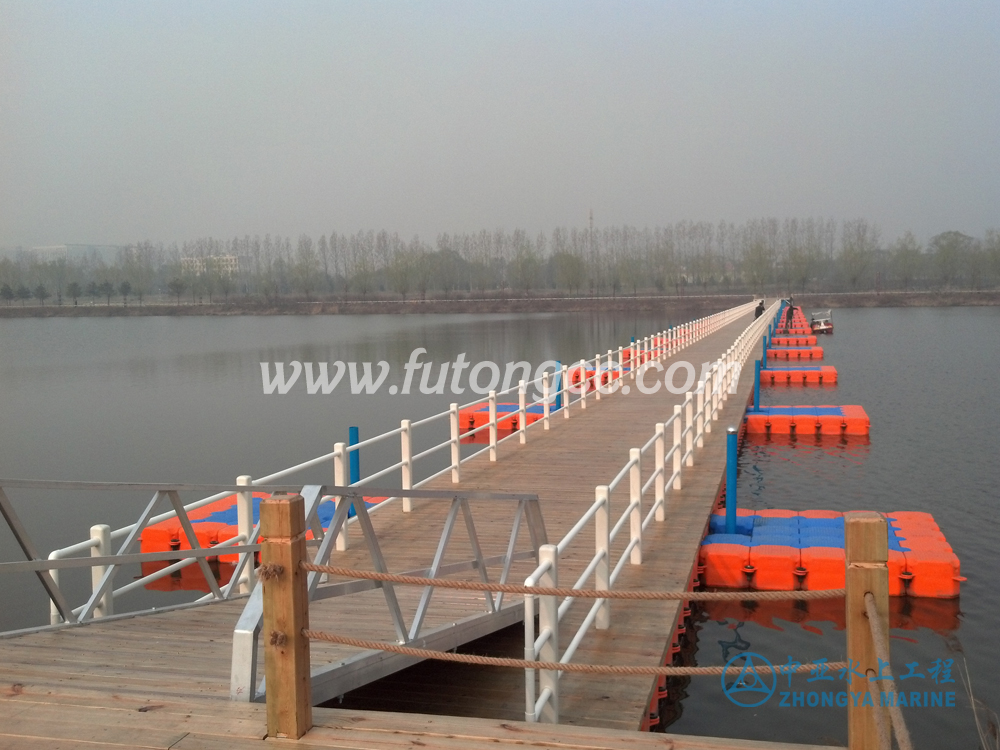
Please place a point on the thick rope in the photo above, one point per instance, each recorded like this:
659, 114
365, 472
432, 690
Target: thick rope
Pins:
512, 588
880, 639
496, 661
881, 725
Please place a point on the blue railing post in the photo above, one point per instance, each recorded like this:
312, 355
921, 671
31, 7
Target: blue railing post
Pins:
353, 438
756, 385
559, 386
731, 481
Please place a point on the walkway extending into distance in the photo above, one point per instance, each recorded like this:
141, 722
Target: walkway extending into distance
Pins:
163, 680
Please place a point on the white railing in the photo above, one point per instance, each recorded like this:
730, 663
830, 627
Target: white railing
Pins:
616, 365
684, 431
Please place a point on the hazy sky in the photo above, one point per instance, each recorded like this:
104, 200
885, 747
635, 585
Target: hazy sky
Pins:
122, 121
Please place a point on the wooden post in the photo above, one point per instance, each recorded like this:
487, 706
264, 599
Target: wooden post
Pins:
286, 615
584, 384
597, 377
867, 551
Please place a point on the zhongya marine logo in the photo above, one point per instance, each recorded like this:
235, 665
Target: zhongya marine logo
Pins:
750, 688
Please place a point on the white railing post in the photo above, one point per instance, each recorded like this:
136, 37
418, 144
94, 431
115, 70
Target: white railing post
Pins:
546, 406
726, 377
584, 387
699, 417
244, 527
635, 499
529, 655
709, 380
548, 619
597, 377
522, 412
689, 428
456, 444
340, 479
660, 481
493, 425
101, 533
564, 390
406, 458
611, 369
602, 547
717, 379
678, 452
54, 616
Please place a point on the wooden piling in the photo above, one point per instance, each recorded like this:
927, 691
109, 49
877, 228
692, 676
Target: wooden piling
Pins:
286, 615
867, 550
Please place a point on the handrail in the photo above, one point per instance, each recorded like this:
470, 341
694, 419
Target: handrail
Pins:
626, 360
688, 425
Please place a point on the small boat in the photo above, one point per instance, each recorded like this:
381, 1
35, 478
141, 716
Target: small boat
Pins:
822, 321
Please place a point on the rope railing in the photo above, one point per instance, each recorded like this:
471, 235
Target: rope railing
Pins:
576, 668
513, 588
287, 632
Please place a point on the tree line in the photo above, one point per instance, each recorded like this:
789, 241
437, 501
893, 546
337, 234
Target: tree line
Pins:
764, 256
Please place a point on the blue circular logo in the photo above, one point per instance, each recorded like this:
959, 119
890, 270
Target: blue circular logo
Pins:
749, 689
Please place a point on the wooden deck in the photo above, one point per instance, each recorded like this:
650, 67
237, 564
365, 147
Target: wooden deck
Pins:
87, 721
163, 680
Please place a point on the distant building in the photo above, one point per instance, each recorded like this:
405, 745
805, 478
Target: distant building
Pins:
77, 252
221, 264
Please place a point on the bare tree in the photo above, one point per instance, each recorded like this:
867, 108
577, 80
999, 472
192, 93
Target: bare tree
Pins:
859, 240
950, 251
906, 257
306, 265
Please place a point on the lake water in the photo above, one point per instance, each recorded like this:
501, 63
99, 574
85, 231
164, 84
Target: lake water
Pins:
927, 378
180, 400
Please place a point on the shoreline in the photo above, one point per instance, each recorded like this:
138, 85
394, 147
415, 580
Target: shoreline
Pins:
477, 305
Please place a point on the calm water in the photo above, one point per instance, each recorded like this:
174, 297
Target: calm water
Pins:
158, 399
181, 400
927, 378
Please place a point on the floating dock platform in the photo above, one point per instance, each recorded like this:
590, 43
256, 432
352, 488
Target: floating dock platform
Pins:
795, 352
809, 420
802, 375
785, 550
793, 340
